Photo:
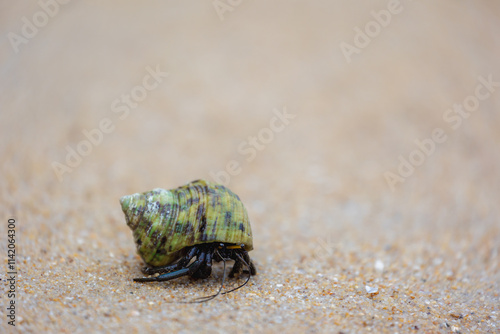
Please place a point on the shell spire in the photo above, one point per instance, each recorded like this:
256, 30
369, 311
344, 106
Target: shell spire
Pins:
131, 209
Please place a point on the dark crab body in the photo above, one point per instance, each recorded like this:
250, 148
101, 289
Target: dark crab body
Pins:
201, 220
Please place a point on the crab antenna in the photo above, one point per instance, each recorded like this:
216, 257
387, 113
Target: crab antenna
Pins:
248, 278
207, 298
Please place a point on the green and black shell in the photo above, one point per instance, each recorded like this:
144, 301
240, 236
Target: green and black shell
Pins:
165, 222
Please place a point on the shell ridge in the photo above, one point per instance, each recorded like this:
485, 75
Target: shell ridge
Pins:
194, 214
165, 203
156, 230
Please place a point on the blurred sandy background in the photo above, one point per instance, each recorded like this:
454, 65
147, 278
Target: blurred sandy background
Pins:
326, 222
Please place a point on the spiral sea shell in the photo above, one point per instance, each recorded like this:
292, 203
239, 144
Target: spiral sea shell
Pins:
167, 222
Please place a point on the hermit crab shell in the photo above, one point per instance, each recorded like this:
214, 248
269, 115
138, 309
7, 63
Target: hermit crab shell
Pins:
165, 222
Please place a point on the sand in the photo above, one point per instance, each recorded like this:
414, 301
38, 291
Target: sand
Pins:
362, 137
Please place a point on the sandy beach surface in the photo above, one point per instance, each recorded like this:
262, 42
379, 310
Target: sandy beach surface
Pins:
363, 138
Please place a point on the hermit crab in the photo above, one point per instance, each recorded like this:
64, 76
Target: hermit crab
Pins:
179, 232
